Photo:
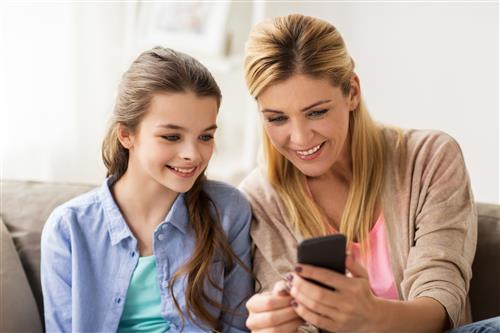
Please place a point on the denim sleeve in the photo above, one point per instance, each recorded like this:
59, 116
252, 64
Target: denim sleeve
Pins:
238, 283
56, 274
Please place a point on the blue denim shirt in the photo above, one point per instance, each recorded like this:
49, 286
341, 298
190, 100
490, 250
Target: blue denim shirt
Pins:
89, 255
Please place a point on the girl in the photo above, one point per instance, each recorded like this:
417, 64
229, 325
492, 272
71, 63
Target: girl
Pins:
402, 197
157, 247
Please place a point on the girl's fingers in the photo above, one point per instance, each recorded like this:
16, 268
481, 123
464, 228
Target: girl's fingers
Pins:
288, 327
271, 319
264, 302
280, 289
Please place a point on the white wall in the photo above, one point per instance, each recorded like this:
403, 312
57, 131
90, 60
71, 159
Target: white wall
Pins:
422, 65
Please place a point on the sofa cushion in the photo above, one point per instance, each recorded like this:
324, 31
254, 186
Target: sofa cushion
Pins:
25, 208
18, 309
485, 288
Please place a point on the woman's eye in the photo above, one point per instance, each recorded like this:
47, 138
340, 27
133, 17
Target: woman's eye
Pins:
206, 137
317, 114
171, 137
277, 119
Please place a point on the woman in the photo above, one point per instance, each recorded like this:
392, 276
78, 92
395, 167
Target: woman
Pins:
157, 247
401, 197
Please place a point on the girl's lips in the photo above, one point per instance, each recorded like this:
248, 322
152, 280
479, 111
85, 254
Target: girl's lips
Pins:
312, 156
181, 172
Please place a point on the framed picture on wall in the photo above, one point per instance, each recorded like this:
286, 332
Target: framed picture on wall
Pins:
195, 27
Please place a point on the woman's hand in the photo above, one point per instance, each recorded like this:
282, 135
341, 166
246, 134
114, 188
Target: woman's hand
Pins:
351, 307
272, 311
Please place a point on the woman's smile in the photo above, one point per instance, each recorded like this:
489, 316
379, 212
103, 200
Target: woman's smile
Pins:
311, 153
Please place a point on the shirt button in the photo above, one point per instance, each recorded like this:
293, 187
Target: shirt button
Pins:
164, 226
161, 237
118, 300
132, 254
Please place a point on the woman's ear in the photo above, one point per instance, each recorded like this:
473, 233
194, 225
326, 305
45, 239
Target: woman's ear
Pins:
355, 93
124, 136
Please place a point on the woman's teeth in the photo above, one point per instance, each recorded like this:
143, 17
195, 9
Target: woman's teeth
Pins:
309, 151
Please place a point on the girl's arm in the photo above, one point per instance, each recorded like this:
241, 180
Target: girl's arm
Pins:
238, 283
56, 275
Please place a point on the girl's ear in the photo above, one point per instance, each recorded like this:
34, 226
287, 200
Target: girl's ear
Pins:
355, 93
125, 136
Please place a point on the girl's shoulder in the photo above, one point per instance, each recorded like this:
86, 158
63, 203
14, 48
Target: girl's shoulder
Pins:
74, 211
225, 196
231, 205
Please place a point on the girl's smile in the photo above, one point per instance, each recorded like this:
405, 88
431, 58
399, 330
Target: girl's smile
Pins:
183, 172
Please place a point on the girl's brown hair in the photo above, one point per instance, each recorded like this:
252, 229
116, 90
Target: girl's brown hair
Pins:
298, 44
165, 70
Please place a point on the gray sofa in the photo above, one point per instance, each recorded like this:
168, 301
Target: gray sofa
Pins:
26, 205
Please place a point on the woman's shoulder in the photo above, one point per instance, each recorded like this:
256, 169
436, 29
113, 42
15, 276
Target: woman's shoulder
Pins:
257, 188
412, 144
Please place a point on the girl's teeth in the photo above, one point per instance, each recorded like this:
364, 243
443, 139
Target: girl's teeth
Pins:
310, 151
184, 170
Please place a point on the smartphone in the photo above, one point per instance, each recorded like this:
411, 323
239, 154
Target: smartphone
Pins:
326, 252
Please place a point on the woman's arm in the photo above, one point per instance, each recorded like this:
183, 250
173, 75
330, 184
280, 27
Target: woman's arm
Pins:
353, 307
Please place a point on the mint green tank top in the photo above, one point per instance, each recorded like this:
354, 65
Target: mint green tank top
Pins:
142, 310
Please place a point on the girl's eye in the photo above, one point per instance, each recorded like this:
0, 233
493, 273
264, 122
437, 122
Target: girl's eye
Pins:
206, 137
277, 119
317, 114
171, 137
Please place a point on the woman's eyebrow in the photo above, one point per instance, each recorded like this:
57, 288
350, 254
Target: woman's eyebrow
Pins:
323, 101
304, 109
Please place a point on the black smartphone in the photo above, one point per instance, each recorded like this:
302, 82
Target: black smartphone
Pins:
326, 252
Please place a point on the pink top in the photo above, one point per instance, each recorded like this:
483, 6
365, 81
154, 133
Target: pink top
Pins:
377, 261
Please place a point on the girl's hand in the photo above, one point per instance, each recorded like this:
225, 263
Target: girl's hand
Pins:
272, 311
351, 307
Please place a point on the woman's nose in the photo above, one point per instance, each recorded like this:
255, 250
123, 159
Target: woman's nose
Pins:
300, 134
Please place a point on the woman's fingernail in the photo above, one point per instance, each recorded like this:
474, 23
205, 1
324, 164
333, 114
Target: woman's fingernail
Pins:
294, 304
289, 277
298, 269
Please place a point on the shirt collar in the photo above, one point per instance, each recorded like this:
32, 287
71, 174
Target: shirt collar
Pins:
117, 227
178, 215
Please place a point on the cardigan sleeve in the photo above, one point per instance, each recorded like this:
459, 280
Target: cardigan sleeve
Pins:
445, 227
274, 243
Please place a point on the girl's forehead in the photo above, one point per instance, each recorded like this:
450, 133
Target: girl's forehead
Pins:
185, 110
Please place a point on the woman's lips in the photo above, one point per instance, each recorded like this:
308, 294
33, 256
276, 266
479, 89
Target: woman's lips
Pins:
311, 153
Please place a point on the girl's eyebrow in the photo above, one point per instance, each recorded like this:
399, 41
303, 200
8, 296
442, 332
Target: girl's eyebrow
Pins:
304, 109
180, 128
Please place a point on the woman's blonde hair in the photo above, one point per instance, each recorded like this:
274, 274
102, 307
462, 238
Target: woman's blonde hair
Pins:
165, 70
298, 44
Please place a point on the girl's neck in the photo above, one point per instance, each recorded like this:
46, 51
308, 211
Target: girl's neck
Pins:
142, 201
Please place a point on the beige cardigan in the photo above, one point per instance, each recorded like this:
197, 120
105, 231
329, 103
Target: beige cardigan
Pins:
431, 221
